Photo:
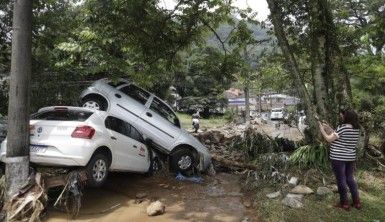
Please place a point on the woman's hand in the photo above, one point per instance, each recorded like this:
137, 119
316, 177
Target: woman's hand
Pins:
327, 132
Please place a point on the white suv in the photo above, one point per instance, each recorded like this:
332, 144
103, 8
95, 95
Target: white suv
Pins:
277, 114
96, 140
153, 117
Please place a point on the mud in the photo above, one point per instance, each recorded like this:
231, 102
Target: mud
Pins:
218, 198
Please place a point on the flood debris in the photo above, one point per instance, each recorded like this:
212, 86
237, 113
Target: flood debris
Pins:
194, 179
70, 197
28, 204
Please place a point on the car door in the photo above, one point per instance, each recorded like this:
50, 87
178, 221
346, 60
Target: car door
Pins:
126, 150
128, 102
161, 124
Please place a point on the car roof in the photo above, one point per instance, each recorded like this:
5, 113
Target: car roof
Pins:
49, 108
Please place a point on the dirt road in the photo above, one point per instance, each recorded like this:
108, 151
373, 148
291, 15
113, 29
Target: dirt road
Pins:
216, 199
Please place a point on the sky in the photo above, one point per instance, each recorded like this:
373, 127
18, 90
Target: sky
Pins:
259, 6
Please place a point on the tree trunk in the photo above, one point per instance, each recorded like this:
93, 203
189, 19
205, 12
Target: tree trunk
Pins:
276, 18
318, 40
17, 163
335, 63
247, 105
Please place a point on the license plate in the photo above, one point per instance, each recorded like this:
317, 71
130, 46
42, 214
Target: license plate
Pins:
37, 149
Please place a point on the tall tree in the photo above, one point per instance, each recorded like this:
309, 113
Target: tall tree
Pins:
17, 166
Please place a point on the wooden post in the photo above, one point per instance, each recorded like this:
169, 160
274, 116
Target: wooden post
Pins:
17, 162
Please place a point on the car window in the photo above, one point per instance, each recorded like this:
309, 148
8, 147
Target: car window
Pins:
123, 128
136, 135
118, 126
136, 93
164, 111
116, 84
63, 115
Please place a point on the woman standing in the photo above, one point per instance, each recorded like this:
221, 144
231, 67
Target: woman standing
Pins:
343, 155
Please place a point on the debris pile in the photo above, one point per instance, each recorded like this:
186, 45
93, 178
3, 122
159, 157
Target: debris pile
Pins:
29, 203
240, 143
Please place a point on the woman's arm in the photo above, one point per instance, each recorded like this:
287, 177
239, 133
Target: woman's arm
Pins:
328, 137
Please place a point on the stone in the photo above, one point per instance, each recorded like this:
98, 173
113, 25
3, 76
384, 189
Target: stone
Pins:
323, 191
247, 203
207, 141
302, 189
141, 195
293, 181
333, 188
292, 201
296, 196
156, 208
246, 219
273, 195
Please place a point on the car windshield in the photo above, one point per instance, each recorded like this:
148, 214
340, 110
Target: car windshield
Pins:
277, 110
63, 115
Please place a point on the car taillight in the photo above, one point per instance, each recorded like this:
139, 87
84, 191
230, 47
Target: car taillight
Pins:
85, 132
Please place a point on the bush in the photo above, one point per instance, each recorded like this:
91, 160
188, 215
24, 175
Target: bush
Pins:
310, 156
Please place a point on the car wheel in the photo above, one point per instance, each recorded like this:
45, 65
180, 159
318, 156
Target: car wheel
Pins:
155, 166
97, 170
94, 103
182, 160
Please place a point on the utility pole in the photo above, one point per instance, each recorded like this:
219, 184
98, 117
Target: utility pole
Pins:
17, 162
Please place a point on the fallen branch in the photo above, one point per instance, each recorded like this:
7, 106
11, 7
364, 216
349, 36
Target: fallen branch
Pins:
229, 163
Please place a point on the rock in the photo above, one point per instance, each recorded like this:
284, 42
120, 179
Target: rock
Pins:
247, 203
296, 196
292, 201
246, 219
156, 208
274, 195
333, 188
141, 195
301, 189
323, 191
293, 181
207, 141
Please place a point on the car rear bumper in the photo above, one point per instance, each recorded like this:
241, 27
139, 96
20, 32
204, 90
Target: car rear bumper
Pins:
71, 153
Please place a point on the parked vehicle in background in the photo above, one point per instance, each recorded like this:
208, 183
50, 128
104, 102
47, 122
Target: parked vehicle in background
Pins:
80, 137
277, 114
153, 117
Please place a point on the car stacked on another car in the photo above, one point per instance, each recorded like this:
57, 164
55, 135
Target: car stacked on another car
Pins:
81, 137
153, 117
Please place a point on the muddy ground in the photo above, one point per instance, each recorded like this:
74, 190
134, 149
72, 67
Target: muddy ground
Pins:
218, 198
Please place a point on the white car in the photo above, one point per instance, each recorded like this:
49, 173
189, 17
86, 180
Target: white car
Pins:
153, 117
96, 140
277, 114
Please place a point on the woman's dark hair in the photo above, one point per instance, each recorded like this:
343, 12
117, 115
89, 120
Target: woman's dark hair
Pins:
350, 117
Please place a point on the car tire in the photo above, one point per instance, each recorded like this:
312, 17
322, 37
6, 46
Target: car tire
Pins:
94, 103
182, 161
155, 166
97, 170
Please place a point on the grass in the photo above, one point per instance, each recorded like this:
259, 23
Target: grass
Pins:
371, 185
211, 122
